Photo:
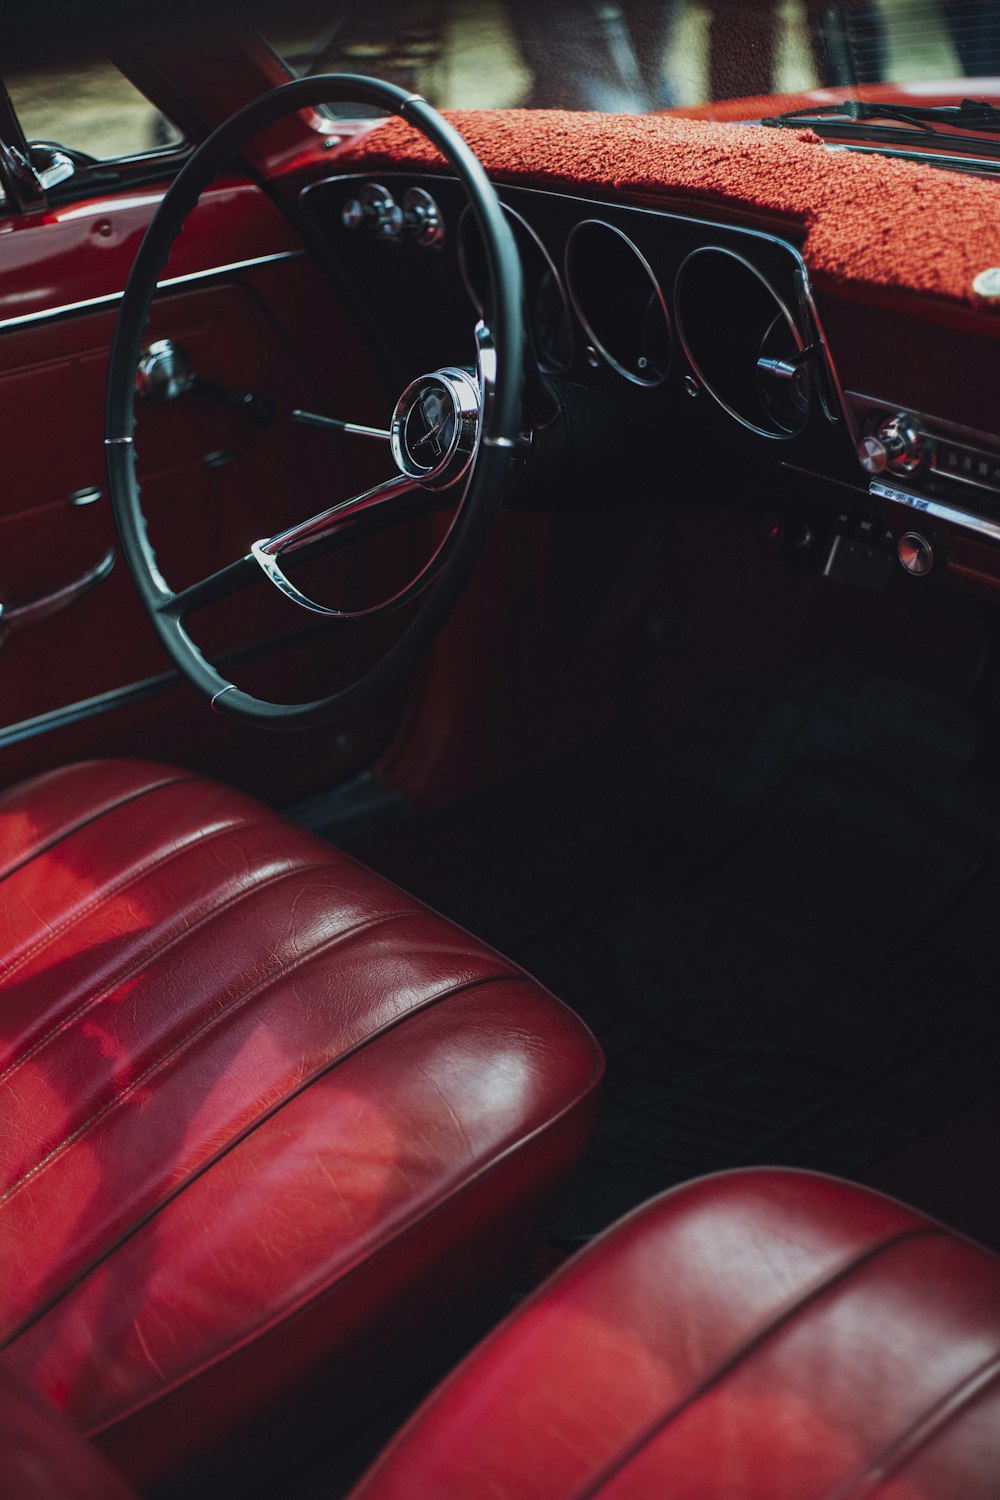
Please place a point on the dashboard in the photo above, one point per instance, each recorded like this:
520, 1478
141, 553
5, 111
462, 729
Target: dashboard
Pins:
696, 359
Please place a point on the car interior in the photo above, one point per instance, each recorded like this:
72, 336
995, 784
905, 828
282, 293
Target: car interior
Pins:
498, 838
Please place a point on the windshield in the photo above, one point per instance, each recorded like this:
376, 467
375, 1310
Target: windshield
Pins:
643, 55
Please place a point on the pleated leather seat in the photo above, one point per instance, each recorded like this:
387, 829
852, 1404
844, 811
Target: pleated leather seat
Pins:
259, 1110
760, 1335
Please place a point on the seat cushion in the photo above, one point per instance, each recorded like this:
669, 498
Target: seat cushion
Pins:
260, 1110
43, 1458
760, 1335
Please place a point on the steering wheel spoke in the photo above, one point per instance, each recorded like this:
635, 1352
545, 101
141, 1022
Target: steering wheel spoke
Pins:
223, 584
370, 511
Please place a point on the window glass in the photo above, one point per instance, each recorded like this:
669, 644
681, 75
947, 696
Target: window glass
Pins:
640, 54
91, 108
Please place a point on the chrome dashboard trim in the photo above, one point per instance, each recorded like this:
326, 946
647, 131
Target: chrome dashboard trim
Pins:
596, 203
811, 311
110, 299
937, 509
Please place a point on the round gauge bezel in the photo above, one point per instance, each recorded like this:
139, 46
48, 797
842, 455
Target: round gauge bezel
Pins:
644, 381
782, 310
546, 366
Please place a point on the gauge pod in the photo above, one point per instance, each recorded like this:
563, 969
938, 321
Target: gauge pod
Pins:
619, 302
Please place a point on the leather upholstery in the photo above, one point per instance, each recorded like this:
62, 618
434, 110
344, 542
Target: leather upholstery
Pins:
761, 1335
258, 1106
42, 1458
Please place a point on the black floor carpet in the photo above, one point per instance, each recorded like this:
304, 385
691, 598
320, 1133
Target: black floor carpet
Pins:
784, 942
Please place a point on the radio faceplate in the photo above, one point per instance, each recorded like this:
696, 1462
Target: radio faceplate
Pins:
928, 453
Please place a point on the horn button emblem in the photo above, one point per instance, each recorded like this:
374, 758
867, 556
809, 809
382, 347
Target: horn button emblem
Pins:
435, 427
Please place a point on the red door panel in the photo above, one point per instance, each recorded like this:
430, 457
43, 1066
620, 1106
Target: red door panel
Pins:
212, 483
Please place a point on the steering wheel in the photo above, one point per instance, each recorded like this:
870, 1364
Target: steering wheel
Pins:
453, 430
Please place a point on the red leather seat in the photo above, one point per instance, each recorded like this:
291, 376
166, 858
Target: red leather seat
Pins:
259, 1108
761, 1335
43, 1458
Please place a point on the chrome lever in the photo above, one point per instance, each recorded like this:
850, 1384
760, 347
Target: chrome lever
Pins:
51, 604
164, 373
334, 424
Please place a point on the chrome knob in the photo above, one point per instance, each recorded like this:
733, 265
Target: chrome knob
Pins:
376, 209
871, 452
163, 372
422, 217
352, 215
916, 554
388, 219
903, 443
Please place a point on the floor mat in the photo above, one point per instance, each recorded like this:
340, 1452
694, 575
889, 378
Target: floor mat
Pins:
796, 978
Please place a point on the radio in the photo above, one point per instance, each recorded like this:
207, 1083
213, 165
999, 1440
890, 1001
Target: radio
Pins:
935, 455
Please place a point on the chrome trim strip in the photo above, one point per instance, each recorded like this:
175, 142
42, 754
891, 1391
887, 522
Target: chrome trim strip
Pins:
87, 496
807, 300
222, 693
134, 692
65, 309
85, 708
113, 442
939, 511
47, 605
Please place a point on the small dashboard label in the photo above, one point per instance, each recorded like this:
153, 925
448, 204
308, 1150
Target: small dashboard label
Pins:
982, 525
901, 497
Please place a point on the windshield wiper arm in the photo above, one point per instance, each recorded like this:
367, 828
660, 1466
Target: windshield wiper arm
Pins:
971, 114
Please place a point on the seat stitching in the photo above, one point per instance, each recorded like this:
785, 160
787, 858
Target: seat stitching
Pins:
772, 1326
279, 971
67, 833
191, 926
512, 1151
250, 1129
895, 1454
132, 877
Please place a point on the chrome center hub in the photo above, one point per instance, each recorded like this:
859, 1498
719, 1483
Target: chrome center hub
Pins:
435, 427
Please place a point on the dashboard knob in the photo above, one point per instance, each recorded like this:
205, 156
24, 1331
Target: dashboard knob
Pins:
352, 215
916, 554
422, 217
874, 458
376, 209
903, 443
163, 372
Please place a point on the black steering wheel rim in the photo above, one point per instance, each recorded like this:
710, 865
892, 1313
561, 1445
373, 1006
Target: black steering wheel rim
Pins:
499, 421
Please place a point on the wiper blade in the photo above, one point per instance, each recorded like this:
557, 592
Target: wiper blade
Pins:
971, 114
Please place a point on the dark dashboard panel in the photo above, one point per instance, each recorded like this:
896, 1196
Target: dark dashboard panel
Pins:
690, 323
693, 351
